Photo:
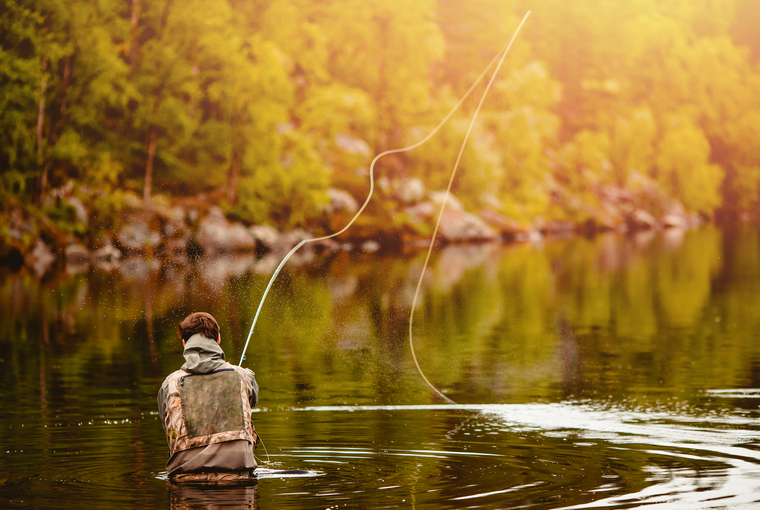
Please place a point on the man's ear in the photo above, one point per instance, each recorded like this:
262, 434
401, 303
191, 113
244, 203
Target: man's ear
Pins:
184, 341
219, 338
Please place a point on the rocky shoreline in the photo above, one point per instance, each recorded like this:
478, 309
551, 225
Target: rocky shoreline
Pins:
191, 228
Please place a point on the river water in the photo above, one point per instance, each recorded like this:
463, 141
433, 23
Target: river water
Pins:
612, 372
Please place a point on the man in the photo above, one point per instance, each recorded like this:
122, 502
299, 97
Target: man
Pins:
205, 408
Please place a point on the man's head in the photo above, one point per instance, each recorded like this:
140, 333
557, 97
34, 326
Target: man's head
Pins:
199, 322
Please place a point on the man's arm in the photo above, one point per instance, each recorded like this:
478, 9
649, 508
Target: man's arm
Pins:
161, 401
254, 398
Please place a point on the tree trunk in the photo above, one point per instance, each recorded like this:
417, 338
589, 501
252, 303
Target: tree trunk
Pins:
53, 134
64, 89
44, 181
149, 166
40, 125
133, 37
41, 111
234, 175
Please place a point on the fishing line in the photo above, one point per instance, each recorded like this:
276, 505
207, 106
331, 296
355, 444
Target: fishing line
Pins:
371, 191
261, 441
443, 207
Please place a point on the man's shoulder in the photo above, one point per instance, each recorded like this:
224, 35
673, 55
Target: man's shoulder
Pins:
245, 372
174, 375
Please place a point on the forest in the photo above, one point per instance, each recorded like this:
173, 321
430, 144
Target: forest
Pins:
263, 106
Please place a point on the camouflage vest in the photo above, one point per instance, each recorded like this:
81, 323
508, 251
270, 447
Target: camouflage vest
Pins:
203, 409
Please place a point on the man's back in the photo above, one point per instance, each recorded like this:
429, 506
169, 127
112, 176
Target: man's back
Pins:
205, 408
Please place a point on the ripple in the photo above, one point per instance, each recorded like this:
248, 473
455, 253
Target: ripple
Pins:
542, 456
612, 458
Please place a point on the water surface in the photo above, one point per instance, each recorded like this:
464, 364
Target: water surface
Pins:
613, 372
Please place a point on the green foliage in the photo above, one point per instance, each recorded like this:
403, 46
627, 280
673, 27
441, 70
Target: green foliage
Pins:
269, 103
683, 167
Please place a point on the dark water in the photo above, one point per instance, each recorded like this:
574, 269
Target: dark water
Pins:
616, 372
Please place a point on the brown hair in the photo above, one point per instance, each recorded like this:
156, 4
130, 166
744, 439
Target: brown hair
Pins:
198, 322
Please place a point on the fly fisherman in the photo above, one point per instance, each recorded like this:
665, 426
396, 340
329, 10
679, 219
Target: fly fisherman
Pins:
205, 408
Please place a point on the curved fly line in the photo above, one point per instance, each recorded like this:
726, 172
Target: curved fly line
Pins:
445, 199
500, 56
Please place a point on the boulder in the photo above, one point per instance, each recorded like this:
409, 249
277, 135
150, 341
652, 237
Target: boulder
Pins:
370, 246
79, 209
452, 202
501, 223
328, 244
420, 213
293, 237
674, 220
265, 235
642, 220
340, 201
409, 191
559, 228
458, 226
217, 235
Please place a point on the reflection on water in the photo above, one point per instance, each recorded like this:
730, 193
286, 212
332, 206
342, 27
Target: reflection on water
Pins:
610, 372
193, 497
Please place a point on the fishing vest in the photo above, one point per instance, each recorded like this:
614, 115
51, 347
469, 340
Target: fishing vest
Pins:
204, 409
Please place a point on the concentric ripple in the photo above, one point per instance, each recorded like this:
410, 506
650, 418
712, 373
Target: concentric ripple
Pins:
471, 456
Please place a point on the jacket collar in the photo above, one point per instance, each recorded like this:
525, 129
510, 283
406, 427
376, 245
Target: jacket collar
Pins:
202, 355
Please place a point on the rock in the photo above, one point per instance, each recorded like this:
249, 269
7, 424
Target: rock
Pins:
641, 219
265, 235
76, 254
328, 244
559, 227
137, 236
216, 212
370, 246
533, 236
293, 237
458, 226
492, 201
178, 214
409, 191
421, 212
452, 202
39, 258
79, 208
501, 223
340, 201
674, 220
108, 253
217, 235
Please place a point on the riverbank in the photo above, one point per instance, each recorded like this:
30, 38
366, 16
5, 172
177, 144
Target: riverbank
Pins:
75, 230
